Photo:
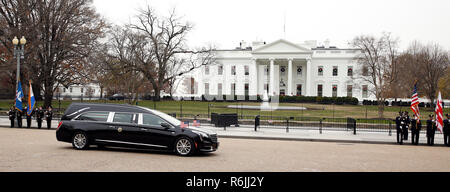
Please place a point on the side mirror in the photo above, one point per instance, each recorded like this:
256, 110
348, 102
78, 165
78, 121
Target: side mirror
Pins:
166, 125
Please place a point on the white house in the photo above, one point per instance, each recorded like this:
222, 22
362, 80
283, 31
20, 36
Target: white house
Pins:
280, 68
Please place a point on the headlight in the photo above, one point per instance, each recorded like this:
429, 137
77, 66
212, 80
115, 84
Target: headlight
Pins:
202, 135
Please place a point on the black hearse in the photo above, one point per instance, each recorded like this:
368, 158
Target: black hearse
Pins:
85, 124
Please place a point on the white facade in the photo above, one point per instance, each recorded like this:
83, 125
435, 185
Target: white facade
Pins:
282, 66
76, 92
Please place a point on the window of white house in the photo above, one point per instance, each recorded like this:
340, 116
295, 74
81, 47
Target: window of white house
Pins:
319, 90
350, 71
246, 89
320, 71
220, 70
334, 94
349, 90
219, 89
233, 70
206, 70
365, 71
71, 90
299, 89
246, 70
206, 88
82, 90
335, 70
64, 90
364, 91
299, 70
266, 70
233, 89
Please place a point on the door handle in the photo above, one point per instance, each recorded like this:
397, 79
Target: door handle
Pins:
144, 129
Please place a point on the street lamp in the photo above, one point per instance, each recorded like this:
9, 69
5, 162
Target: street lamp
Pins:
19, 54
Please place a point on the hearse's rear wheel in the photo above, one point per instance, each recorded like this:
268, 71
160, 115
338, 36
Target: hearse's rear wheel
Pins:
80, 141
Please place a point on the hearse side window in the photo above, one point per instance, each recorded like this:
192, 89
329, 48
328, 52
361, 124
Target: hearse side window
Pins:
94, 116
153, 120
123, 118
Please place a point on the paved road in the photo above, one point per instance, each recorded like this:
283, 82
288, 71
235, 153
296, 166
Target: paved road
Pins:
38, 150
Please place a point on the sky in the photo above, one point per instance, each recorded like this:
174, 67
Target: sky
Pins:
226, 23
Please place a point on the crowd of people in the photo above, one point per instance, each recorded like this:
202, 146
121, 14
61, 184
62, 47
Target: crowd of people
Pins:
38, 113
404, 123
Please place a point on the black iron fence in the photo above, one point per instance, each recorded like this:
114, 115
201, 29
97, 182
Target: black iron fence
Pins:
297, 123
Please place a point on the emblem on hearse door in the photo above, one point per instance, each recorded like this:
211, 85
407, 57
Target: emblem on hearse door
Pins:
119, 129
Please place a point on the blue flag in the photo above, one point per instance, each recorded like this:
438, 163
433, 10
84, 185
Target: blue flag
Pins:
19, 96
31, 101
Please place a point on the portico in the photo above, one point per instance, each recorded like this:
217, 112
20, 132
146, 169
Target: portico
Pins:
282, 69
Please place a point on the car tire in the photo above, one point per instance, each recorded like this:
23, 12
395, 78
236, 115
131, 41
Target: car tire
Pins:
80, 141
184, 146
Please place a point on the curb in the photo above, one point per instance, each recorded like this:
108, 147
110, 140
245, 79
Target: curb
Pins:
303, 139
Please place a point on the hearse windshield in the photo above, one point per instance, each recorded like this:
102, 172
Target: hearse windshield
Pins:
168, 118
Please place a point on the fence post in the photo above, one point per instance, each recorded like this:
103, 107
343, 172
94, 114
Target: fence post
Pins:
287, 123
390, 132
320, 126
354, 126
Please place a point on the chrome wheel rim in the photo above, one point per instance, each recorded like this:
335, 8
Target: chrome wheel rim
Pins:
184, 146
79, 140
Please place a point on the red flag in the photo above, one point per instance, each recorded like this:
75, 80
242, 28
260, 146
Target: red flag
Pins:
439, 113
183, 125
196, 123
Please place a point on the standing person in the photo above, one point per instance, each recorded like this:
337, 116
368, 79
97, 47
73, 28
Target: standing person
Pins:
415, 130
447, 130
407, 124
398, 126
19, 118
431, 128
48, 117
28, 117
12, 115
257, 118
39, 116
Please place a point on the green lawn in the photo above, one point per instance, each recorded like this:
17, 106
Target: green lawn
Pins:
198, 107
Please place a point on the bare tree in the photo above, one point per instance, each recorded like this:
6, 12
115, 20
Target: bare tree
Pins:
379, 65
167, 51
61, 35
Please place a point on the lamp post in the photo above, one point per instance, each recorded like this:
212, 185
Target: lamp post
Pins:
19, 54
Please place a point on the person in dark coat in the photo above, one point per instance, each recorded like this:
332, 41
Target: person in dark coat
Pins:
48, 117
39, 116
407, 124
28, 117
431, 129
447, 130
19, 118
12, 115
398, 126
257, 123
416, 126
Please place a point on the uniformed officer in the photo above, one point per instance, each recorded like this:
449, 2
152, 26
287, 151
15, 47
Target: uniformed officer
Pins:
39, 116
416, 126
48, 117
398, 126
12, 115
28, 117
19, 118
447, 130
407, 124
431, 129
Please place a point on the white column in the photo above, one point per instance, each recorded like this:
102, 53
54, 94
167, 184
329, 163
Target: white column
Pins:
309, 74
253, 78
289, 81
272, 77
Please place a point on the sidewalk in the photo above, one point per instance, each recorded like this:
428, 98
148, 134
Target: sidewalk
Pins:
277, 133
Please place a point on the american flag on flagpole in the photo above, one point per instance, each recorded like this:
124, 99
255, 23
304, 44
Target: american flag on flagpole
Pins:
183, 124
415, 102
196, 123
439, 113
